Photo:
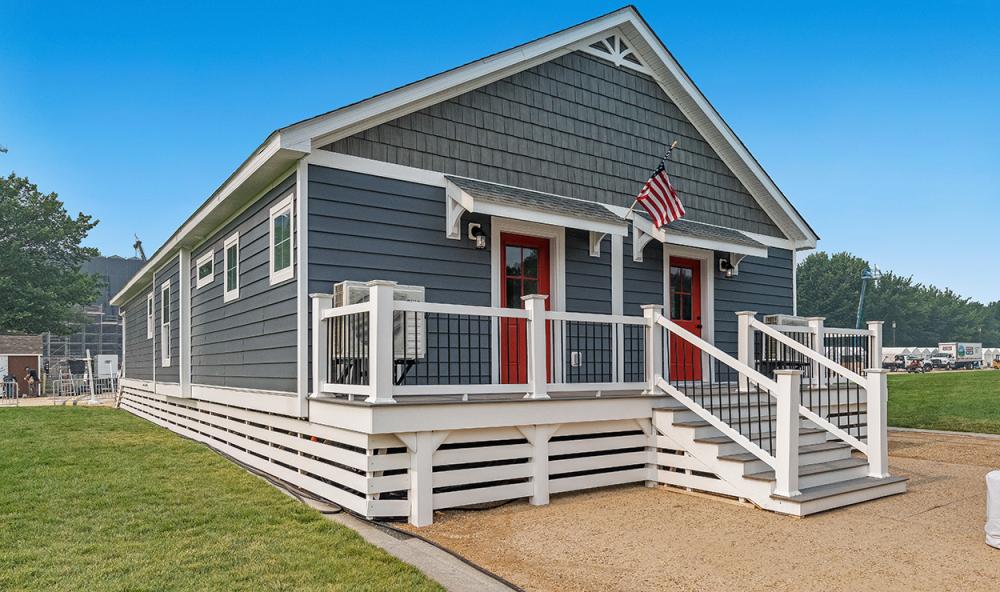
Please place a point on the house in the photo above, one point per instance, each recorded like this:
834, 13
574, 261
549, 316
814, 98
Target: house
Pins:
438, 297
18, 352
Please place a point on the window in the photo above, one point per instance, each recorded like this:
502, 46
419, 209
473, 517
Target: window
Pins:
206, 269
149, 316
231, 262
165, 324
281, 241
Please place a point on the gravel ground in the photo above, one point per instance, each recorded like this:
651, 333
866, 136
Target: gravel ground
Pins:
632, 538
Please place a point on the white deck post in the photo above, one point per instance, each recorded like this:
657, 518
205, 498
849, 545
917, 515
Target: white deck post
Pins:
786, 453
744, 337
654, 347
818, 329
422, 446
537, 365
878, 438
538, 436
875, 344
320, 342
380, 341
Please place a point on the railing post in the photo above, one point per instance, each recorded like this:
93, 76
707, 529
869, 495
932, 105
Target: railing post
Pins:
380, 352
818, 330
786, 453
875, 344
320, 342
654, 347
878, 438
744, 337
537, 365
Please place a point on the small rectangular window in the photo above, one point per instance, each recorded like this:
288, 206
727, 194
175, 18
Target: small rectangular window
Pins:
206, 269
165, 324
231, 263
149, 316
281, 241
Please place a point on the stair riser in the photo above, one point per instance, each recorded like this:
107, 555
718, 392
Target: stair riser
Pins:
734, 413
846, 499
832, 477
757, 466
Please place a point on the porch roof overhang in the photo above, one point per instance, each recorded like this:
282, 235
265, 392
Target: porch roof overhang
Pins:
481, 197
688, 233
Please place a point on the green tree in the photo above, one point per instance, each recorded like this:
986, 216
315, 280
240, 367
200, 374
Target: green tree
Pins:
41, 286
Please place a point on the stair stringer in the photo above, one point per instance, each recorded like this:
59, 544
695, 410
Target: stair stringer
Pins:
757, 492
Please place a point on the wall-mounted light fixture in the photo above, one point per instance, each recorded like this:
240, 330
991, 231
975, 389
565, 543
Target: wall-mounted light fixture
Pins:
477, 235
726, 267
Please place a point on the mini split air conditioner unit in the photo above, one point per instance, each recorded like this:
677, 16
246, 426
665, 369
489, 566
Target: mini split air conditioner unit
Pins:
412, 345
785, 320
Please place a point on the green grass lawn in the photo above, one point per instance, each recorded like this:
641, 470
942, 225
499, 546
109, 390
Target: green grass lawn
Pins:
956, 401
96, 499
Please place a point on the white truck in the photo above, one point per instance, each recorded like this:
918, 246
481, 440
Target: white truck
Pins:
965, 355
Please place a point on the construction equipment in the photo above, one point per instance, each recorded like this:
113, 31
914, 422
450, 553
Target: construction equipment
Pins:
138, 248
867, 275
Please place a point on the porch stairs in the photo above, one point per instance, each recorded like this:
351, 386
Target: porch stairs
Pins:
741, 434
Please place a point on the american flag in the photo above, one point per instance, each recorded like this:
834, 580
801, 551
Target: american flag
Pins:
660, 199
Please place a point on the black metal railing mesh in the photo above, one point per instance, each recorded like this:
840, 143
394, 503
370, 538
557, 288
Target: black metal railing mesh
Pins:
444, 348
347, 344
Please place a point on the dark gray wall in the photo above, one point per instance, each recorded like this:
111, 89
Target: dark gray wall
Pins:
575, 126
588, 279
643, 282
249, 342
763, 285
138, 348
170, 271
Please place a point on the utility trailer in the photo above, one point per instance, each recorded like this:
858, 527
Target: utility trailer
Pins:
967, 356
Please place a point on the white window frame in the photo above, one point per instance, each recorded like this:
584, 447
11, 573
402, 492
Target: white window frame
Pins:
165, 323
150, 323
282, 207
228, 294
208, 257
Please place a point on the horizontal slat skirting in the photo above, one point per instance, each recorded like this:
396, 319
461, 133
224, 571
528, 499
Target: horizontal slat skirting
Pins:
680, 461
698, 482
468, 497
599, 480
597, 444
457, 456
484, 435
481, 475
604, 461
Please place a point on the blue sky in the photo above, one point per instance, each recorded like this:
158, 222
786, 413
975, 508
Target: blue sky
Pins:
881, 121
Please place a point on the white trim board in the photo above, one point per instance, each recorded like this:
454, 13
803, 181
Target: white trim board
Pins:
557, 257
707, 259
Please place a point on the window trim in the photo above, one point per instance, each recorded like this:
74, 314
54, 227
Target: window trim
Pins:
208, 257
150, 312
165, 324
228, 295
282, 207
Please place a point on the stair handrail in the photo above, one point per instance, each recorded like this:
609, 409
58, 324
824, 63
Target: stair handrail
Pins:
827, 363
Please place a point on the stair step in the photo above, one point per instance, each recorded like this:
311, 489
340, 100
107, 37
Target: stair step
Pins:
727, 439
824, 491
824, 446
814, 469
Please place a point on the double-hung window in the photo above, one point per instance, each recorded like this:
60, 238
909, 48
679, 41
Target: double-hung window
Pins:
231, 265
165, 324
149, 316
205, 267
281, 241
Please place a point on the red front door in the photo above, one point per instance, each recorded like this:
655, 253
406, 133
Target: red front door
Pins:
685, 310
524, 265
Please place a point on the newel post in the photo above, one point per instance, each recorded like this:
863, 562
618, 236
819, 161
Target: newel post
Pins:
380, 352
817, 326
744, 337
537, 365
875, 343
786, 453
654, 347
878, 438
320, 342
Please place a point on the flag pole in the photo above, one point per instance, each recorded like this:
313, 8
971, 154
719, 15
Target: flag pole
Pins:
662, 160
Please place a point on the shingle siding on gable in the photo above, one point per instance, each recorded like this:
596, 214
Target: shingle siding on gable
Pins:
576, 126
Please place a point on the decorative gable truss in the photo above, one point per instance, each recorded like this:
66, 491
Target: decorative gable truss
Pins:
611, 46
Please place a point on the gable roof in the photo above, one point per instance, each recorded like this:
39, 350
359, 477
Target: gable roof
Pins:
283, 148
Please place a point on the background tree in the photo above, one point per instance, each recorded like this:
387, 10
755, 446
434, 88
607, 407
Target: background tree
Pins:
830, 286
41, 286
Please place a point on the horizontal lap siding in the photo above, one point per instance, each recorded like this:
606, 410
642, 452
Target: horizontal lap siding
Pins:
763, 285
364, 228
588, 279
171, 272
138, 348
249, 342
576, 126
643, 282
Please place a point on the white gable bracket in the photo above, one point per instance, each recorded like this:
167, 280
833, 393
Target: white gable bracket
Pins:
457, 202
595, 243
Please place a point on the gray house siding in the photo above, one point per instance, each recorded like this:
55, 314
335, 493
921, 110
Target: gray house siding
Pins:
138, 348
171, 272
588, 279
575, 126
249, 342
763, 285
643, 282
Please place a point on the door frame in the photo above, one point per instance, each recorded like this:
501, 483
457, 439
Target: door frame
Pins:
557, 250
707, 260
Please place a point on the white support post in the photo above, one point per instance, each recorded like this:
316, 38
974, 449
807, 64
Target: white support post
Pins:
537, 364
538, 436
875, 343
422, 446
654, 347
618, 302
878, 437
320, 342
744, 337
380, 350
184, 297
818, 329
786, 453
